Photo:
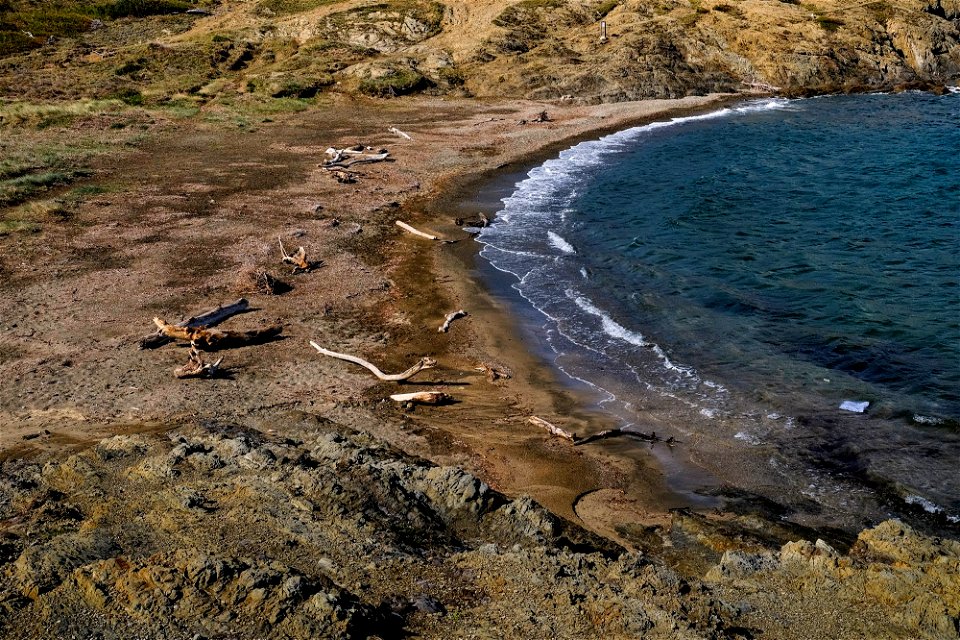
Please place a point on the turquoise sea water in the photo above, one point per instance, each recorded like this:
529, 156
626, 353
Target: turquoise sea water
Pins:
735, 277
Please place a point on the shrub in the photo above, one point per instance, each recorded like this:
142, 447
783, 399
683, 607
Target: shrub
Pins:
142, 8
396, 82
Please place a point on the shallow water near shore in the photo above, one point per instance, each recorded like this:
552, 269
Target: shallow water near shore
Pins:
731, 278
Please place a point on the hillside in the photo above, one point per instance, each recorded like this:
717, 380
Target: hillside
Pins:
153, 51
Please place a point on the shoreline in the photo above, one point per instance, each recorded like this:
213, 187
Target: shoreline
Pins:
595, 488
658, 493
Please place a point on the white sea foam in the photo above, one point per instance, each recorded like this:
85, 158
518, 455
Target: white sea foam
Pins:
610, 326
931, 507
559, 242
953, 89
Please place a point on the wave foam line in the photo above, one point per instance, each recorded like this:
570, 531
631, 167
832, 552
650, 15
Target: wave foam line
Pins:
616, 330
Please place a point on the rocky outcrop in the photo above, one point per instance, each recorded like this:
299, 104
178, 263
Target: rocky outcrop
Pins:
224, 532
913, 579
221, 531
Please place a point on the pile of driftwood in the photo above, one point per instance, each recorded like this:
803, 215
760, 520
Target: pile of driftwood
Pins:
338, 162
201, 330
202, 335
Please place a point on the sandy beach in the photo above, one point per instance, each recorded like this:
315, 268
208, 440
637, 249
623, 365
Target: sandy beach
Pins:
194, 213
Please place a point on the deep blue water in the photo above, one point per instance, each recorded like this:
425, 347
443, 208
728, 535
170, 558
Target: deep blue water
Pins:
736, 276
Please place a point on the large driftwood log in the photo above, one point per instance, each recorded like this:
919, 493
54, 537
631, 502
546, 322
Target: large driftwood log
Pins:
205, 319
553, 429
211, 339
403, 225
196, 367
422, 397
453, 315
425, 363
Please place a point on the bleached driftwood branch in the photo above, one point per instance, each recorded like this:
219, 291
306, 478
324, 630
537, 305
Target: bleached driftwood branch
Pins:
453, 315
196, 367
399, 133
403, 225
205, 319
553, 429
206, 338
298, 259
425, 363
422, 397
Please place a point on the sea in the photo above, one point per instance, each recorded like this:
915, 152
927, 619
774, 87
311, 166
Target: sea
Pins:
775, 285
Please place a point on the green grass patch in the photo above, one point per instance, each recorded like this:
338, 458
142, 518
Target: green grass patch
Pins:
8, 227
605, 7
22, 188
829, 24
286, 7
397, 81
142, 8
129, 96
41, 20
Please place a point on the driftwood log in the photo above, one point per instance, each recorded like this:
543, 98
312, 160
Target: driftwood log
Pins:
553, 429
629, 433
603, 435
212, 339
424, 363
453, 315
422, 397
196, 367
403, 225
346, 158
206, 319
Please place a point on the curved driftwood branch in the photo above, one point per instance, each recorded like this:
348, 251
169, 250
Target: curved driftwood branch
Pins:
425, 363
627, 432
403, 225
453, 315
205, 319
